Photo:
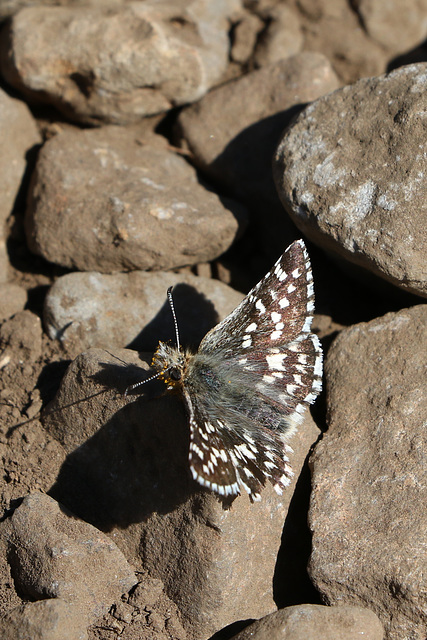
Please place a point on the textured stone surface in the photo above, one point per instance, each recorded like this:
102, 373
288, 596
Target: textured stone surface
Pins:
52, 619
103, 200
99, 310
101, 64
54, 555
127, 470
368, 510
352, 178
235, 145
311, 622
144, 614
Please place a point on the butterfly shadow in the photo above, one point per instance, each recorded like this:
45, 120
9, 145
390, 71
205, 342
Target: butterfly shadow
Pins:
196, 315
134, 462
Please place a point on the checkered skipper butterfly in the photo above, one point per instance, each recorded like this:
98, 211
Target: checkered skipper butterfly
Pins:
248, 385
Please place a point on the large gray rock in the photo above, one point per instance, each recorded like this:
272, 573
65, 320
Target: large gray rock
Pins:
368, 512
350, 172
104, 200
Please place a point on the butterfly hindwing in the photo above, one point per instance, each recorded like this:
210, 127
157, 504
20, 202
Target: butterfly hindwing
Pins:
224, 458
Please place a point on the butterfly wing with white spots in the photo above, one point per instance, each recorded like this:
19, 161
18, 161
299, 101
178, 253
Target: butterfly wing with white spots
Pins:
249, 384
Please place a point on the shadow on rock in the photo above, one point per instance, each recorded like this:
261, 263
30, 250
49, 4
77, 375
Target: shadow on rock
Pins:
127, 457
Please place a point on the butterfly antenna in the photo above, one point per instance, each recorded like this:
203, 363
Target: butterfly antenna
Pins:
178, 344
141, 382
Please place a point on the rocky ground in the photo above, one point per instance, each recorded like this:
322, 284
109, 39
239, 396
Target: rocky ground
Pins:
149, 144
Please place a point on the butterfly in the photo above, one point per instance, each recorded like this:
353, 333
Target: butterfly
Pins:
250, 382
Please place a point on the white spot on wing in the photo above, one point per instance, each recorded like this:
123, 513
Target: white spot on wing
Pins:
275, 361
260, 306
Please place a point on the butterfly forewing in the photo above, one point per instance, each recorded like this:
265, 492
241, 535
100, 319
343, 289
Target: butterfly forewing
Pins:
277, 310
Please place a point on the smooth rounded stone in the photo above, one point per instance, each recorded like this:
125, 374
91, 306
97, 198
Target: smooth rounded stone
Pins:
117, 65
350, 172
12, 299
18, 134
53, 554
103, 200
282, 38
52, 619
399, 26
235, 145
127, 468
368, 512
98, 310
312, 621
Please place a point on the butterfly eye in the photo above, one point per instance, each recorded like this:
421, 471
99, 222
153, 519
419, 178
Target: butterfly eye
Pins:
175, 374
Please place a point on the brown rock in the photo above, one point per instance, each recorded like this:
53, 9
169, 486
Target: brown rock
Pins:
218, 131
18, 131
98, 310
352, 178
12, 299
116, 65
311, 622
18, 134
52, 619
55, 555
398, 27
22, 336
245, 35
4, 259
103, 200
368, 506
127, 469
283, 37
146, 613
334, 28
235, 145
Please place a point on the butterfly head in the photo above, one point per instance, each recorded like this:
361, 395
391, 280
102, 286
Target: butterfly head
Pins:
170, 362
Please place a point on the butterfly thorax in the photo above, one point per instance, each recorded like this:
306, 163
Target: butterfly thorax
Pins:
171, 364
